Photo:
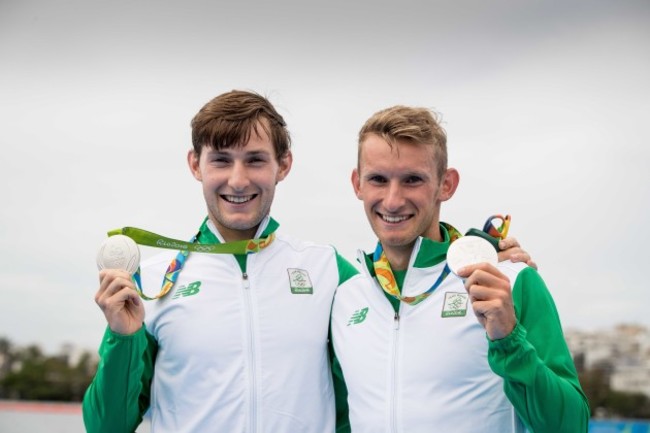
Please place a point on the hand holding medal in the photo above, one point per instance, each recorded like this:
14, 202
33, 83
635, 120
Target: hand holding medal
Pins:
478, 246
122, 307
120, 251
474, 259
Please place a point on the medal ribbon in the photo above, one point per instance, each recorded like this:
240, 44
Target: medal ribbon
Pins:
143, 237
386, 278
150, 239
500, 229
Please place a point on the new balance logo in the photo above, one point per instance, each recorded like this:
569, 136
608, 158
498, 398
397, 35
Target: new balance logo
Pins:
358, 316
189, 290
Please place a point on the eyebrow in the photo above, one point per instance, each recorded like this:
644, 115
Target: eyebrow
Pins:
249, 153
423, 174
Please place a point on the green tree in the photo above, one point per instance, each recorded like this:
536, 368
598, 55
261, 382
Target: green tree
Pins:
31, 375
609, 403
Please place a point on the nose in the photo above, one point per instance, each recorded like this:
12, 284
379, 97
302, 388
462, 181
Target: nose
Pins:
394, 198
238, 179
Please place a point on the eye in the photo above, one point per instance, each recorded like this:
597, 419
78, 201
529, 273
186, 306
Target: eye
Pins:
256, 160
413, 179
376, 179
220, 160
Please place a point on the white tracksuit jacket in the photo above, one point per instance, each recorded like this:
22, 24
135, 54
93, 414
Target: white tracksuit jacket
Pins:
426, 369
232, 351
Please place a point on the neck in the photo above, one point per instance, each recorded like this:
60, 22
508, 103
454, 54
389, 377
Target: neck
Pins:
237, 235
232, 235
399, 257
433, 232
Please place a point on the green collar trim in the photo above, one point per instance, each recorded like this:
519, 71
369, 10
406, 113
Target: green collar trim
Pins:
430, 252
205, 235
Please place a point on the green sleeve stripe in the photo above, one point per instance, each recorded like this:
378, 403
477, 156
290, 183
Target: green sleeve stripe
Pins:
340, 391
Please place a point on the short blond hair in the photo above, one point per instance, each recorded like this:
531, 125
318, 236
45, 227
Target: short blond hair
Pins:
414, 125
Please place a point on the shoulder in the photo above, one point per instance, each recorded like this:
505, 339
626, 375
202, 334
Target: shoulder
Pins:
318, 252
532, 298
512, 269
300, 245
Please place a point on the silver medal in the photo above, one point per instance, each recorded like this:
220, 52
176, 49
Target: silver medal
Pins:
470, 250
119, 252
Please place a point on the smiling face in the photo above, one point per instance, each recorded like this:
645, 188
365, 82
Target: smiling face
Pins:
401, 193
239, 183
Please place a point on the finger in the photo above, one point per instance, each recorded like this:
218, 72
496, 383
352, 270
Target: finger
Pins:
471, 271
515, 255
112, 282
507, 243
468, 270
484, 281
110, 287
126, 294
499, 295
124, 312
106, 276
123, 299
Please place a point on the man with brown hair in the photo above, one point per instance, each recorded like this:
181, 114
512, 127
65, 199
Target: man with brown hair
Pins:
239, 344
410, 355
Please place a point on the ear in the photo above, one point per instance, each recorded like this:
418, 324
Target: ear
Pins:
356, 183
193, 163
284, 164
449, 184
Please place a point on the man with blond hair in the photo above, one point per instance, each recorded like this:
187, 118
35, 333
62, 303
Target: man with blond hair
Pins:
411, 355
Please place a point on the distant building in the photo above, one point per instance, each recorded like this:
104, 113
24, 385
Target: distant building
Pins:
624, 351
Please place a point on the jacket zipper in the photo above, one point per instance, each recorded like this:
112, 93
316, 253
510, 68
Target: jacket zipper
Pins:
251, 352
393, 378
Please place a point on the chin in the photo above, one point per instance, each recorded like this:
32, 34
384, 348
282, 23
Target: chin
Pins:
395, 241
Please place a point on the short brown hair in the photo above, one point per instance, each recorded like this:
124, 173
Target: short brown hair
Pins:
411, 124
229, 119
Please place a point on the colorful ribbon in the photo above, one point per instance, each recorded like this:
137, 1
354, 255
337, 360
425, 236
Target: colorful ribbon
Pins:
500, 230
387, 281
386, 278
143, 237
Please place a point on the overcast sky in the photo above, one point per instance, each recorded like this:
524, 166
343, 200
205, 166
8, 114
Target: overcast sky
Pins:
546, 107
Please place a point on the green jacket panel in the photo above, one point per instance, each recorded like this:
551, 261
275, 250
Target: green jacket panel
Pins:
125, 369
540, 379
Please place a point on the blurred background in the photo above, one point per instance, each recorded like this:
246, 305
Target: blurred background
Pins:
544, 103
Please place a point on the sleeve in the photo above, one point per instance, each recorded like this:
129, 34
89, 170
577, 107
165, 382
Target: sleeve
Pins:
119, 394
346, 272
340, 393
540, 378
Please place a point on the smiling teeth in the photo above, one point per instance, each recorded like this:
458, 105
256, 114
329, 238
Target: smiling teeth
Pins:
238, 199
394, 219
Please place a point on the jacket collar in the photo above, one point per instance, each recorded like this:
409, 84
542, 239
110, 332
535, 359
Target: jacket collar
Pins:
426, 252
208, 233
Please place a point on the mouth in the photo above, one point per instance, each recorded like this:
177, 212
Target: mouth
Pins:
394, 219
238, 199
